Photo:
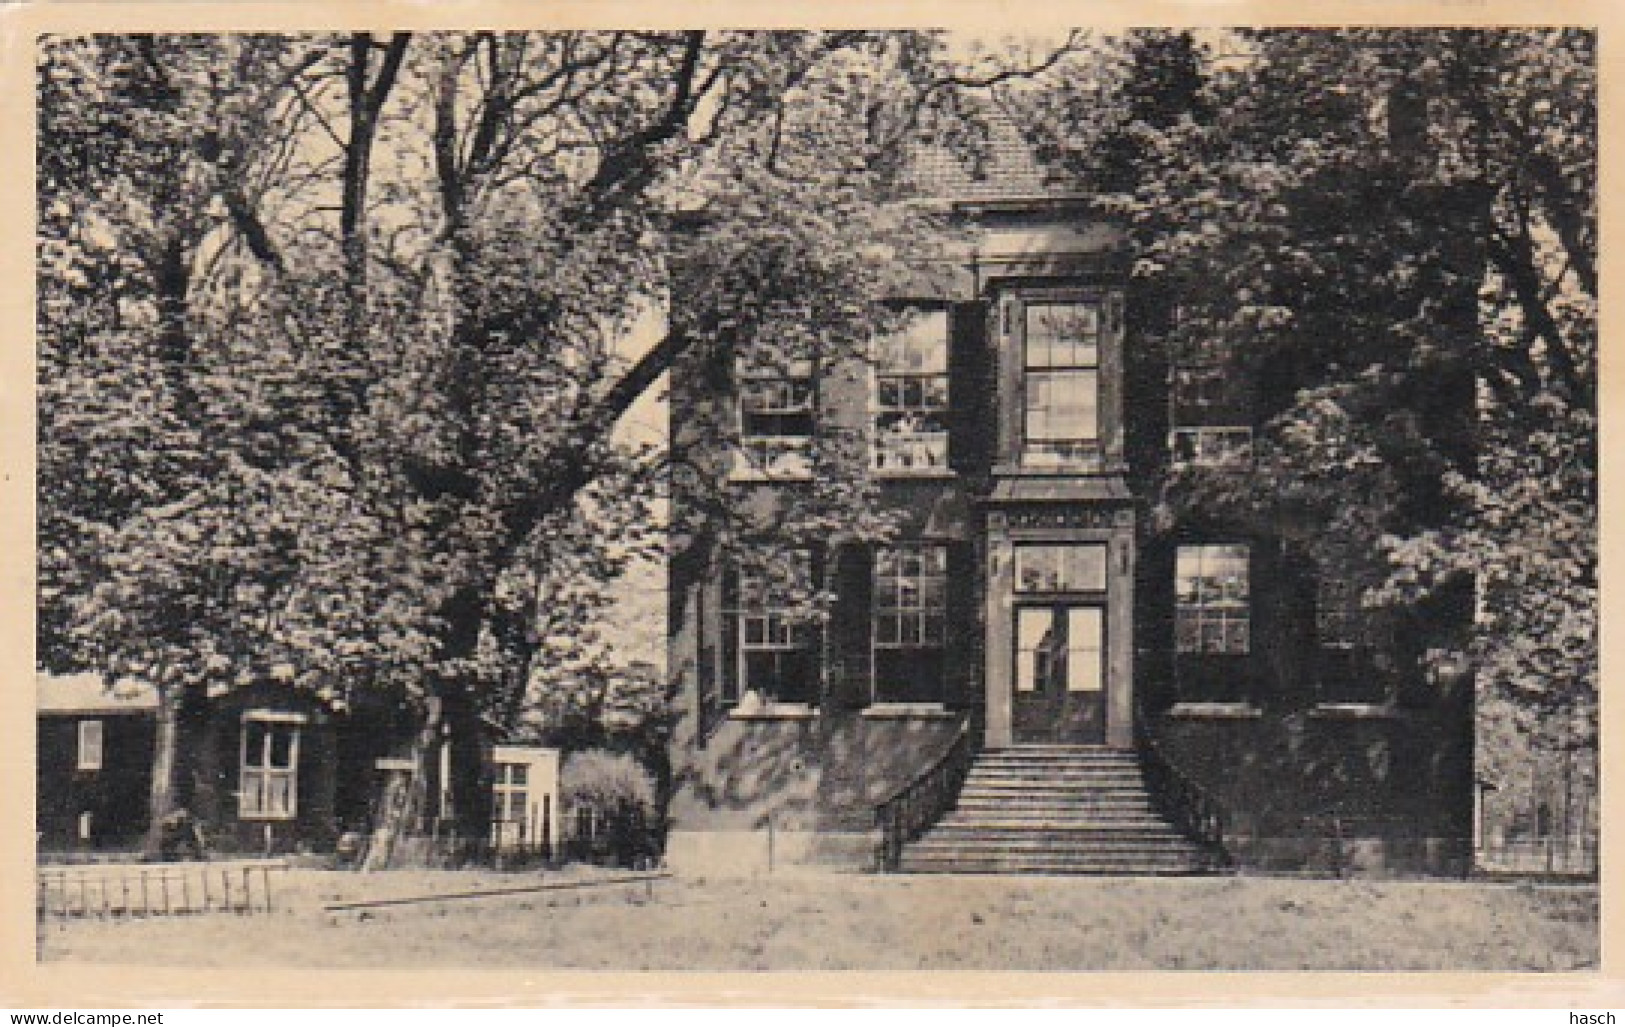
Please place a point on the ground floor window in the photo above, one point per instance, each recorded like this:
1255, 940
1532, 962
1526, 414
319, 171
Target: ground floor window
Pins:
772, 634
268, 781
909, 613
1343, 630
1213, 598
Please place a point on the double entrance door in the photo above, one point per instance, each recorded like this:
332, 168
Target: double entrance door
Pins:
1060, 673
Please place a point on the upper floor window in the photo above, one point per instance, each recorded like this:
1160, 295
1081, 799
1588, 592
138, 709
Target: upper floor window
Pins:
268, 781
1212, 597
1205, 389
1197, 391
777, 417
911, 396
1337, 612
1061, 393
1215, 446
774, 650
910, 607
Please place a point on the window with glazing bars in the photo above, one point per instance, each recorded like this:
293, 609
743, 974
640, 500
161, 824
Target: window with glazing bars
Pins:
1212, 600
1338, 621
911, 395
910, 605
268, 782
777, 417
1061, 390
1206, 446
774, 636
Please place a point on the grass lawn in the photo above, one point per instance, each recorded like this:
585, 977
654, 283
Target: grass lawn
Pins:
808, 923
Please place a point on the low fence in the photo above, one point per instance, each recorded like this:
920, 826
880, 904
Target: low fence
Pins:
1558, 855
156, 889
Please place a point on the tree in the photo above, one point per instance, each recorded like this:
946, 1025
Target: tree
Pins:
338, 411
1394, 230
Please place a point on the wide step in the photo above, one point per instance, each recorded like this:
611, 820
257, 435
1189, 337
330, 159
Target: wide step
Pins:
1055, 810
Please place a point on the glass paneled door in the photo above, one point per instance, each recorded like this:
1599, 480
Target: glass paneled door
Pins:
1060, 679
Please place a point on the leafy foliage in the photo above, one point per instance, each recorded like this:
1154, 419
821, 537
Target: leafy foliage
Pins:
1393, 231
335, 335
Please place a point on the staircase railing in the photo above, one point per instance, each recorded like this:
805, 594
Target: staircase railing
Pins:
917, 805
1191, 807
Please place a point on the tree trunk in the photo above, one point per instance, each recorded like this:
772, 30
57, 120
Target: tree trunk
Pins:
160, 800
403, 805
169, 790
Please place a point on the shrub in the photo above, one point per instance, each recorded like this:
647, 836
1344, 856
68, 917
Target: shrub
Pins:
611, 802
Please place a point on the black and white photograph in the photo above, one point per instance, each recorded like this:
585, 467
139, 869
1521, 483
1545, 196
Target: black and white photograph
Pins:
814, 500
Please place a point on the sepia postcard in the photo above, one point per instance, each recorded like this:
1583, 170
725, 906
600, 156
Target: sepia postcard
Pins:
989, 505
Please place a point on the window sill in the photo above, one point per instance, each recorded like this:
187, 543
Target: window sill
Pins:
924, 474
775, 711
768, 477
1215, 711
907, 711
1354, 711
272, 818
1093, 468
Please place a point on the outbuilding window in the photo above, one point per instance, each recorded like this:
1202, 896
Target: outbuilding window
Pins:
90, 745
269, 779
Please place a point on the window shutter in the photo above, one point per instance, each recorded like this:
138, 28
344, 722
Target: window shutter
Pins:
849, 660
727, 681
970, 387
963, 653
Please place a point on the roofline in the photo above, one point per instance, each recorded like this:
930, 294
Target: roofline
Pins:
99, 711
1019, 203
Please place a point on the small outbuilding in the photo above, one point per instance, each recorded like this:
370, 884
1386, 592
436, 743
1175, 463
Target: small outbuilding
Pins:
94, 766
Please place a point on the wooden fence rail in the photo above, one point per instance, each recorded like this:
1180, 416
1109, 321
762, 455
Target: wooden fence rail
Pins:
156, 889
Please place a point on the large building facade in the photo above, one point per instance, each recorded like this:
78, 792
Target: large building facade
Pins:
1021, 426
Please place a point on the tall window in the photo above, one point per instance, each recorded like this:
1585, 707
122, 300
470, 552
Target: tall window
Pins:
1345, 632
90, 745
268, 781
774, 640
1209, 410
1061, 416
776, 417
911, 396
910, 603
1212, 600
1337, 612
511, 793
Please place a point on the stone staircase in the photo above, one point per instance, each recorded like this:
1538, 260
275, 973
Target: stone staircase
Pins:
1045, 809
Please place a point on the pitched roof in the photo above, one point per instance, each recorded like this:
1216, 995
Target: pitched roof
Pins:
89, 693
1004, 166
